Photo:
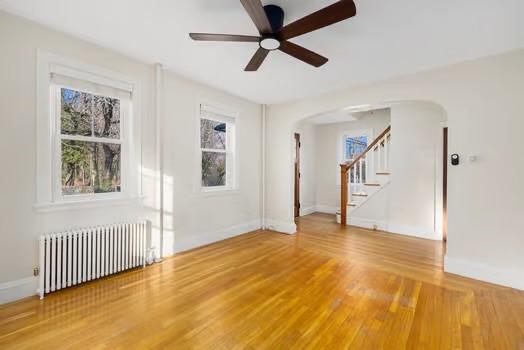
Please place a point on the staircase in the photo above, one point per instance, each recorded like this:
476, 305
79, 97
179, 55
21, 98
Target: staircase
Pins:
365, 176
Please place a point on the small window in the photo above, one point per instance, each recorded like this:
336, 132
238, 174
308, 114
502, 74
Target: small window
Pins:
217, 135
354, 146
90, 143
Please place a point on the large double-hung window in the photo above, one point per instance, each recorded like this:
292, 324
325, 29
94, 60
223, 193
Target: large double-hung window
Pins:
88, 138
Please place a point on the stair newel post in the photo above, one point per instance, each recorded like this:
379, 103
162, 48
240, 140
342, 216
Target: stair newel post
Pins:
343, 193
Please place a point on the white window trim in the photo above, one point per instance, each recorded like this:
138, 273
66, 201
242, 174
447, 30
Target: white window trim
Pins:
232, 178
48, 197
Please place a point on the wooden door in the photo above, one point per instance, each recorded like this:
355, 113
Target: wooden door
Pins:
445, 187
297, 175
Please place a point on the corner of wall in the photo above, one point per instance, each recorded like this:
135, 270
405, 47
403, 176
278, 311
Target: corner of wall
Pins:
289, 228
202, 239
480, 271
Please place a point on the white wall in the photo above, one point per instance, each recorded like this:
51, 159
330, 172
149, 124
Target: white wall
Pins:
328, 154
485, 110
21, 224
411, 204
193, 217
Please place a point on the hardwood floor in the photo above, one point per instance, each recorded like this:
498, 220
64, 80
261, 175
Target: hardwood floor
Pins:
325, 288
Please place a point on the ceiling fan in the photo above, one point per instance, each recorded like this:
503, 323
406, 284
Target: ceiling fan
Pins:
269, 21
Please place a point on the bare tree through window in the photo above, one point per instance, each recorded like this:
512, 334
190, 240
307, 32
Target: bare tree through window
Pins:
90, 143
213, 142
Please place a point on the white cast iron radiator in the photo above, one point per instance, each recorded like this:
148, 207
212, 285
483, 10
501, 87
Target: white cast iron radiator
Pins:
77, 256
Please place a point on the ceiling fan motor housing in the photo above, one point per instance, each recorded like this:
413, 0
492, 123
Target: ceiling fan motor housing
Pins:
275, 14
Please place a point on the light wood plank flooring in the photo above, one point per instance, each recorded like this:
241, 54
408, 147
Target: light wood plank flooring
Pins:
325, 288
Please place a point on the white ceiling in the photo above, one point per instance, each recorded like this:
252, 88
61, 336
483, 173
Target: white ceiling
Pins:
345, 115
387, 38
341, 116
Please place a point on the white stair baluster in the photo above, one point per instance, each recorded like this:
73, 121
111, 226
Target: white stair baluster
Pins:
386, 158
360, 172
366, 166
349, 184
370, 165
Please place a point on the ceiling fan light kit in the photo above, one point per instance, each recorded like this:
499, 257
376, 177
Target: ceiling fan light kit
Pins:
270, 44
269, 21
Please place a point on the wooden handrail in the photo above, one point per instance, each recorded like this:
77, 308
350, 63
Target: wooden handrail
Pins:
370, 147
344, 170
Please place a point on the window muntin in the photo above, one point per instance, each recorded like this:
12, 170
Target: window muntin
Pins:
354, 146
90, 142
217, 134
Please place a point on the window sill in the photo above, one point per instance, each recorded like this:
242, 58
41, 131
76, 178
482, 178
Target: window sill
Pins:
67, 205
218, 192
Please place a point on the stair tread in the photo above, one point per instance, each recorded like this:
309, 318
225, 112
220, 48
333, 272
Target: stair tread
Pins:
360, 194
383, 173
352, 204
372, 184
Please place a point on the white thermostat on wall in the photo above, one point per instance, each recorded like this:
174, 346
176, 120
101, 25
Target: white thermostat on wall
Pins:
455, 159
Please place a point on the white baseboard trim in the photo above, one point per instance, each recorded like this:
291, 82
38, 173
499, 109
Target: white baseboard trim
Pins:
289, 228
19, 289
326, 209
398, 229
307, 210
198, 240
480, 271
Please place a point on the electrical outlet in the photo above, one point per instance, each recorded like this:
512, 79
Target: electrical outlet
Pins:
36, 271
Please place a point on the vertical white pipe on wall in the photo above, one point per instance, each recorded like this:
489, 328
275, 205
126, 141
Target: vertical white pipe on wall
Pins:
263, 194
160, 154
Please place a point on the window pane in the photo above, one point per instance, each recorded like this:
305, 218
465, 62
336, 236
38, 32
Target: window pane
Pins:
213, 169
355, 146
82, 112
75, 113
106, 114
89, 167
212, 134
107, 167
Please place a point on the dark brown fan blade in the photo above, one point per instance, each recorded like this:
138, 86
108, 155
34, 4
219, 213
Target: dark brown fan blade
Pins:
223, 37
256, 11
337, 12
302, 54
257, 60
